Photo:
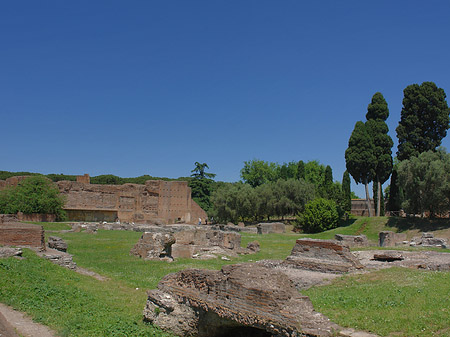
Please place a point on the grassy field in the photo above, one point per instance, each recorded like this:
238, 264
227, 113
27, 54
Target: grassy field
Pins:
394, 302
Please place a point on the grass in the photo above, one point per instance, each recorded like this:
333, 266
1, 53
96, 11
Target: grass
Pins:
390, 302
387, 302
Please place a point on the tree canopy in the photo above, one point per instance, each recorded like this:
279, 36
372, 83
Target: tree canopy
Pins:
425, 180
35, 194
424, 120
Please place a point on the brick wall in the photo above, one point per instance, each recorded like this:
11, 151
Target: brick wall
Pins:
18, 234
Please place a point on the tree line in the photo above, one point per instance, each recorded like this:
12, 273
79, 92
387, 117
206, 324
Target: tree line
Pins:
269, 190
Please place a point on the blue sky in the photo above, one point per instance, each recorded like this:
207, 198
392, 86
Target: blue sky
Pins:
150, 87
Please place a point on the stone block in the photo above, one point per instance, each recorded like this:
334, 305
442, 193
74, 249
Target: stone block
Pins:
389, 239
273, 227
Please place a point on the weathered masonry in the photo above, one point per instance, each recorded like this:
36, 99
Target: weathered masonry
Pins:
156, 201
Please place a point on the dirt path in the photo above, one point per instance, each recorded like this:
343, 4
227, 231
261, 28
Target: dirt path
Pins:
12, 321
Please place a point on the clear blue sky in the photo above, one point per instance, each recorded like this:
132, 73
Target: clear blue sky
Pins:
150, 87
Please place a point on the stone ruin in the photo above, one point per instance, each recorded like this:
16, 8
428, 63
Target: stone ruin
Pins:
352, 240
239, 300
192, 242
252, 299
322, 255
391, 239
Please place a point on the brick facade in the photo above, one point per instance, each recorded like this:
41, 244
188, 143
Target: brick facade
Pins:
156, 201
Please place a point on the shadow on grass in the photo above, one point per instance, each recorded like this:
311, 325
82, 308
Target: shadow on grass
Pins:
424, 225
347, 223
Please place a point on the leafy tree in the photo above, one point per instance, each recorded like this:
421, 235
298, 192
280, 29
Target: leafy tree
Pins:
319, 215
288, 171
425, 180
360, 158
377, 113
35, 194
315, 173
257, 172
424, 120
201, 185
346, 190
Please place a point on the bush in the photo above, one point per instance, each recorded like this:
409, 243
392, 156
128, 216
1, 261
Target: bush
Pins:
319, 215
35, 194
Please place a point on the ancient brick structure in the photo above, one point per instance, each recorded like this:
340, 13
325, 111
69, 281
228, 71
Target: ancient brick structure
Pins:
19, 234
239, 300
322, 255
156, 201
359, 207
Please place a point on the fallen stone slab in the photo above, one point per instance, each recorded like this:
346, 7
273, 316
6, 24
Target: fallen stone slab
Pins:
388, 256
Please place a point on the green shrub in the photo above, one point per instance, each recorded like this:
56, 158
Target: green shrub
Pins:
35, 194
319, 215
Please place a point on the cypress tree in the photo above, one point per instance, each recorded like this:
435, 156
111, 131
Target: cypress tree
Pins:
301, 170
346, 191
377, 113
360, 158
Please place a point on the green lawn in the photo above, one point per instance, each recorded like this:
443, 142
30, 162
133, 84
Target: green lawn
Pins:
396, 302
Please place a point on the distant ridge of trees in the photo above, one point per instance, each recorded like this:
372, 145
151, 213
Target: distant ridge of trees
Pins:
104, 179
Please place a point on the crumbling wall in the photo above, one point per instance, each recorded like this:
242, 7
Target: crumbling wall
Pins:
157, 201
18, 234
243, 298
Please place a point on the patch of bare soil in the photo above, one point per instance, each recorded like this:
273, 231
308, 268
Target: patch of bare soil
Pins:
14, 323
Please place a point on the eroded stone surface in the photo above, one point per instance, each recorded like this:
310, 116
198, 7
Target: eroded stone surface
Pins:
352, 240
57, 243
244, 296
154, 246
390, 239
9, 252
322, 255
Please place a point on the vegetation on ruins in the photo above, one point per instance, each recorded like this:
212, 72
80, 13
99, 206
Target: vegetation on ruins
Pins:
424, 120
201, 185
319, 215
35, 194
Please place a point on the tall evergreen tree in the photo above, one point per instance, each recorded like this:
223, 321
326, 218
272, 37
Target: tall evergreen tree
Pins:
424, 120
377, 113
301, 170
346, 191
201, 185
360, 158
395, 194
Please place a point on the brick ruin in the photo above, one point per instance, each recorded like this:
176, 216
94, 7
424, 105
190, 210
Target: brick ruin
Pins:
157, 201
